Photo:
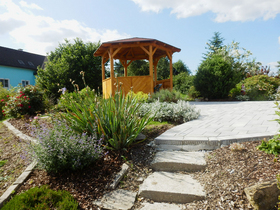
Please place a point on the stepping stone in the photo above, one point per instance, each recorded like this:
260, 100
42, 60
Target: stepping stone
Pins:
161, 206
118, 199
171, 187
178, 161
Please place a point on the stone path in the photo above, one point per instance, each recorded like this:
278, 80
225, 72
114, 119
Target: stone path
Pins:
220, 123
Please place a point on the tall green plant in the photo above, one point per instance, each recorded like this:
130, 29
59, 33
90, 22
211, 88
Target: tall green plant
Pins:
118, 122
114, 119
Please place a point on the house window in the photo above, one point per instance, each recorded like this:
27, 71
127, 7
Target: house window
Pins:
25, 82
5, 83
21, 62
30, 63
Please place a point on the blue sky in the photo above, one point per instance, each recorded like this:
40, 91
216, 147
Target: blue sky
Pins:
38, 26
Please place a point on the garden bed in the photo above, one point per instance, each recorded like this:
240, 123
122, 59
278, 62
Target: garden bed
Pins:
227, 174
90, 183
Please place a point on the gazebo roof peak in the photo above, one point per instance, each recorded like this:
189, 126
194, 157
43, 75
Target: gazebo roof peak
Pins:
135, 41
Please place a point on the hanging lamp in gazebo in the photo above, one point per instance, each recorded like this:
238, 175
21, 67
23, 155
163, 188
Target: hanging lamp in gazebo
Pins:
128, 50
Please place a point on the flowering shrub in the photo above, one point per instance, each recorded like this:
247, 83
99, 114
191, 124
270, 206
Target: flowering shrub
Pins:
3, 100
259, 87
60, 148
178, 112
26, 100
64, 99
17, 105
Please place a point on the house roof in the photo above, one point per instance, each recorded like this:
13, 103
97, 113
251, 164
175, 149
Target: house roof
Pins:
20, 59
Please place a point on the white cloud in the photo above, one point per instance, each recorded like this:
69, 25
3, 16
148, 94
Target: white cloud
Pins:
41, 34
273, 66
30, 6
225, 10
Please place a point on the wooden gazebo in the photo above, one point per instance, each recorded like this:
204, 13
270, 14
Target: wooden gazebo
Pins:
128, 50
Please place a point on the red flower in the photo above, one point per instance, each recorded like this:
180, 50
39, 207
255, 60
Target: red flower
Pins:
29, 107
7, 95
21, 105
24, 97
21, 92
3, 111
2, 100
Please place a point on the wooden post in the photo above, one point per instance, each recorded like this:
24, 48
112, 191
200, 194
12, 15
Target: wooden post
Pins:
171, 72
151, 67
112, 71
155, 69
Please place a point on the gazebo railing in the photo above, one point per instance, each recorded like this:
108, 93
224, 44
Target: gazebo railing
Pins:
135, 83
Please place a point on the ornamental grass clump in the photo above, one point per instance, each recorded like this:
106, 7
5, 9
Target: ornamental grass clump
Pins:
179, 112
115, 119
118, 120
60, 148
42, 198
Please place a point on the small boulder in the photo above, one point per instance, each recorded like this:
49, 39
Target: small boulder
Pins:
263, 196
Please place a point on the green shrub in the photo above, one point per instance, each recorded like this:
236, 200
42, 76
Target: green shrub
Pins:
216, 77
183, 82
165, 95
26, 100
4, 97
271, 146
259, 87
60, 148
178, 112
42, 198
140, 96
193, 93
67, 96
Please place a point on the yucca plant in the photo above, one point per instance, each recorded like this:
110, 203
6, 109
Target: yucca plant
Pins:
114, 119
118, 121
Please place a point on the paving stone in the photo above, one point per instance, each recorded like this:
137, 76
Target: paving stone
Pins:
171, 187
178, 161
239, 120
159, 206
118, 199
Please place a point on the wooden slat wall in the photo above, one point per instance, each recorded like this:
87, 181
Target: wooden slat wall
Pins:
165, 83
136, 83
106, 88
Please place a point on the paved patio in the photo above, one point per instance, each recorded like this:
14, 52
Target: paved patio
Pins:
222, 123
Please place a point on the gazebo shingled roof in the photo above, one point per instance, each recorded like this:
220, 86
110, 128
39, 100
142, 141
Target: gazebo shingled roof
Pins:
128, 50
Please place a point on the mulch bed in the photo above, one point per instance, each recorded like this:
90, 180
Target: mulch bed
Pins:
90, 183
227, 173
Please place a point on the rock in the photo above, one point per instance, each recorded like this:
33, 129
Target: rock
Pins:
118, 177
140, 137
263, 196
118, 199
161, 206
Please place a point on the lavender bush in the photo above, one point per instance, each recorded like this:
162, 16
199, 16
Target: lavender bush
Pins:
60, 148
